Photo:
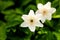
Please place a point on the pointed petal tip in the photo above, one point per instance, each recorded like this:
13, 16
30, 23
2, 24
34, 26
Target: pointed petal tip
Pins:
53, 10
31, 12
23, 24
32, 29
24, 17
39, 5
47, 5
48, 2
42, 25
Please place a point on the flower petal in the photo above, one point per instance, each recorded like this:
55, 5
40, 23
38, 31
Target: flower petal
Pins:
39, 24
39, 6
52, 10
32, 28
43, 20
37, 12
49, 17
24, 24
47, 5
24, 17
31, 12
39, 16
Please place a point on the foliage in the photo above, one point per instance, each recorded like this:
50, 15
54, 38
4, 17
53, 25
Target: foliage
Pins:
10, 20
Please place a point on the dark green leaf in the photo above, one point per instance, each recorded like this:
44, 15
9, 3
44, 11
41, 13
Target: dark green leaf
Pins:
5, 4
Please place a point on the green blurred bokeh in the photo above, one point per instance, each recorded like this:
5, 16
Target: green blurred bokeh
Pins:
10, 20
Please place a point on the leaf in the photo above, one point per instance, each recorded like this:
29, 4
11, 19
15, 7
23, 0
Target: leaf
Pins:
2, 30
12, 24
56, 14
6, 0
45, 34
57, 25
49, 23
51, 36
20, 32
30, 7
40, 37
12, 11
55, 3
12, 17
7, 12
19, 11
25, 2
41, 1
5, 4
14, 30
57, 35
13, 20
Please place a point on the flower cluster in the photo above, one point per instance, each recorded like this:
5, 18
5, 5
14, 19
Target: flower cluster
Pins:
43, 13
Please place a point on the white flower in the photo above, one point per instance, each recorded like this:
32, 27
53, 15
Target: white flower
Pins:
31, 21
46, 11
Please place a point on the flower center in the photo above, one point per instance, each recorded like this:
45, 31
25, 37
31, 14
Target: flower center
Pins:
31, 20
44, 12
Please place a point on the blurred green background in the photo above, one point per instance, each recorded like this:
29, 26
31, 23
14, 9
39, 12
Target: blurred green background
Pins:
10, 20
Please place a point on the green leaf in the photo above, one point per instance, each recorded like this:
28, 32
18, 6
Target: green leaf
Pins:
16, 11
30, 7
49, 23
2, 30
40, 37
55, 3
19, 11
57, 35
21, 32
42, 31
51, 36
12, 24
57, 25
12, 17
5, 4
56, 14
14, 30
13, 21
45, 34
25, 2
7, 12
41, 1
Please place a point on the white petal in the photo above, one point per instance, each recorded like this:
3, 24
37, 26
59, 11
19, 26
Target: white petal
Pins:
43, 20
52, 10
31, 12
32, 28
49, 17
24, 24
39, 6
37, 12
24, 17
39, 24
39, 16
48, 5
